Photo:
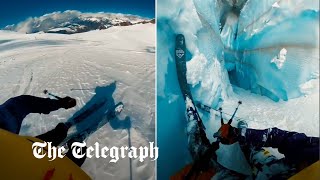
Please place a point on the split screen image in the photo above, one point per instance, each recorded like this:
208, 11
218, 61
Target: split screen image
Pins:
143, 89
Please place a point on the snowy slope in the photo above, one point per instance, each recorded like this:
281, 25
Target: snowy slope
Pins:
117, 63
263, 53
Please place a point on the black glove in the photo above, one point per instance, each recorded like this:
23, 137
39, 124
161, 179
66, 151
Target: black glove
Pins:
67, 102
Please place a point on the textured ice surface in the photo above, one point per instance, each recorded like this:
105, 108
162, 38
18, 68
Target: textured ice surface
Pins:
238, 53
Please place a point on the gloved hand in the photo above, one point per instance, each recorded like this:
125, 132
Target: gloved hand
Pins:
227, 134
67, 102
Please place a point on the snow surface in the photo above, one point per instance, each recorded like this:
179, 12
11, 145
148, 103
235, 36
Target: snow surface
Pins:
230, 52
117, 63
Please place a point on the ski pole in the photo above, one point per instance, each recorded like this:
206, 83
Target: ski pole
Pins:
230, 121
50, 94
220, 109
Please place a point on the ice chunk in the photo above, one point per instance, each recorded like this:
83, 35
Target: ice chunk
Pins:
280, 58
275, 5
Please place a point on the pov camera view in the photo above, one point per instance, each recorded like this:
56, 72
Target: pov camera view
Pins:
238, 89
77, 80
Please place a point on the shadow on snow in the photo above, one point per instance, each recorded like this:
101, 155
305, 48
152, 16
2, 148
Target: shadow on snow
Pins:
98, 118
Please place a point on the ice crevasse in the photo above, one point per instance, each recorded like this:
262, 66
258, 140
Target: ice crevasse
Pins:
269, 48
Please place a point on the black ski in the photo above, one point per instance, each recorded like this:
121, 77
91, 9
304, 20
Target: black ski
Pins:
181, 67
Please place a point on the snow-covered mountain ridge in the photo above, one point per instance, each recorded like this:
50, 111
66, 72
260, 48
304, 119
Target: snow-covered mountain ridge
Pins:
71, 22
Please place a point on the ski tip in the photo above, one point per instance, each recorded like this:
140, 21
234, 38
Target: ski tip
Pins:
180, 40
179, 36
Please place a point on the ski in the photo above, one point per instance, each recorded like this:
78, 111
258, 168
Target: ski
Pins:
181, 67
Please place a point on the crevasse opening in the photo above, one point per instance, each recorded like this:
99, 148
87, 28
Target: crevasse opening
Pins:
265, 53
264, 50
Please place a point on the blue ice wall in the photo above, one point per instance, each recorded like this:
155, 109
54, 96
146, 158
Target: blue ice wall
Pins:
227, 45
252, 56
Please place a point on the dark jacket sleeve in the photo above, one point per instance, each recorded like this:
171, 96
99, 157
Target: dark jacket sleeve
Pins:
295, 146
32, 104
14, 110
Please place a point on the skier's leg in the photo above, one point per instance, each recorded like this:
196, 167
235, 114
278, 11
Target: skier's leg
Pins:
198, 142
267, 166
264, 164
25, 104
297, 147
56, 135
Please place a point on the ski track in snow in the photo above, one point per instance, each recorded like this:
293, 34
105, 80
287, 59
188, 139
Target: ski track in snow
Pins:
75, 65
